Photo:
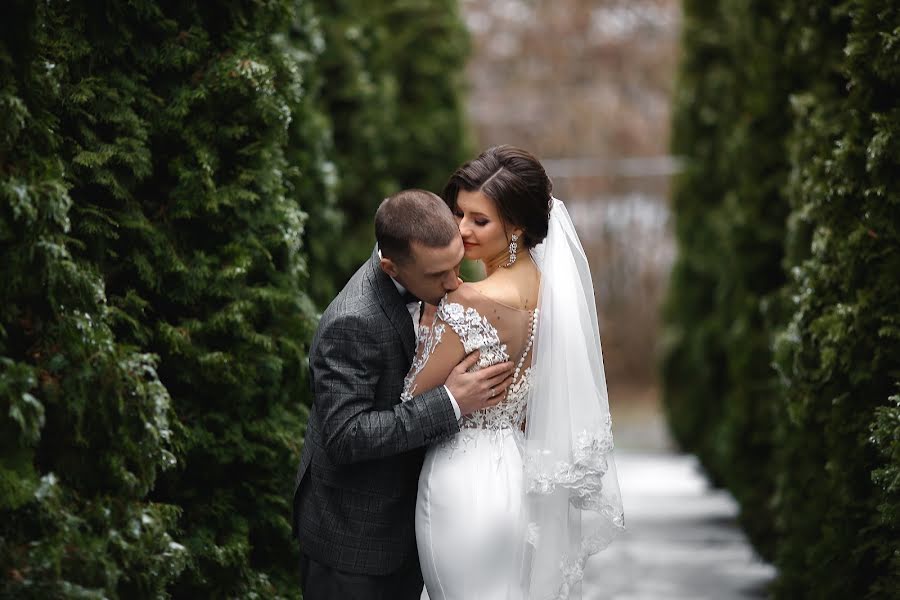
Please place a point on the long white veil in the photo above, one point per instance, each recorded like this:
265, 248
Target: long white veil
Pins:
572, 502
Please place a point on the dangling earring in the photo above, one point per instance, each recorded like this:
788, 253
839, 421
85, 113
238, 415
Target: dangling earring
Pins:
513, 249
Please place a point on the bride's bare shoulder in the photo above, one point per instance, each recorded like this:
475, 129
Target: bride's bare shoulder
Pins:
475, 295
465, 294
509, 293
489, 287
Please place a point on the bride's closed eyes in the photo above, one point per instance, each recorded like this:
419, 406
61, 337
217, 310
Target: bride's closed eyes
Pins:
478, 220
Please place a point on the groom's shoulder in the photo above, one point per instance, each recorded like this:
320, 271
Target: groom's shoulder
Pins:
356, 302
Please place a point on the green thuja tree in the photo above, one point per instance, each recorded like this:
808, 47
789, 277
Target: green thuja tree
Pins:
886, 438
172, 125
749, 228
206, 267
803, 487
694, 364
425, 50
86, 425
839, 353
361, 101
730, 126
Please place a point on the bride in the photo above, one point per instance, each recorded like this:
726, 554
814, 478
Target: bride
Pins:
513, 504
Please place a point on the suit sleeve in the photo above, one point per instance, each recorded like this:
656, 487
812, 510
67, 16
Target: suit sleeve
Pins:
346, 367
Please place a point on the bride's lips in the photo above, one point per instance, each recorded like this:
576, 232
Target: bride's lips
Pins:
468, 245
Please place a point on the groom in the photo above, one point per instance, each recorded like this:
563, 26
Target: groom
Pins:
355, 490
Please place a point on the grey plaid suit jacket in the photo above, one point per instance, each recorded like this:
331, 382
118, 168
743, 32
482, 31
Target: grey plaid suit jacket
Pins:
355, 489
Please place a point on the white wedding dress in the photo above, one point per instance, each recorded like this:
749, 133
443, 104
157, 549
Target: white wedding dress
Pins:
469, 508
512, 505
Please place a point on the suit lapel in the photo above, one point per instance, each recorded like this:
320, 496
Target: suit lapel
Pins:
392, 304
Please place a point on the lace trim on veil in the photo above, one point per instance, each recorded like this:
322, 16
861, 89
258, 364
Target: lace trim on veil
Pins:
583, 477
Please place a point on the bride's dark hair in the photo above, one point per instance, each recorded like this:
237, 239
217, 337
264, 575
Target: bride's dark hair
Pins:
517, 183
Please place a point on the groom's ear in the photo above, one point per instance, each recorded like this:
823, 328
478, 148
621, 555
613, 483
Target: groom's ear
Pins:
388, 266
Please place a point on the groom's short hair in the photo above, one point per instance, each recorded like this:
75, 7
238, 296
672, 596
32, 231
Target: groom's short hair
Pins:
413, 216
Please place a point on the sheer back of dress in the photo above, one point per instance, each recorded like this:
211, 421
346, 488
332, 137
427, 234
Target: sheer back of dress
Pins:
467, 320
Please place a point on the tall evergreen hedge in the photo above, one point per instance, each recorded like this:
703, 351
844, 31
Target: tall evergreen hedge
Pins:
694, 362
87, 424
839, 353
172, 185
783, 354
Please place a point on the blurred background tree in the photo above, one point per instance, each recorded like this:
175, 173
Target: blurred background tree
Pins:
730, 224
394, 77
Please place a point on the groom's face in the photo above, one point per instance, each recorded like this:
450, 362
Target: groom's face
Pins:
429, 273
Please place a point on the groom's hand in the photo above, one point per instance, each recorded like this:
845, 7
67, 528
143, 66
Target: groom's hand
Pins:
481, 389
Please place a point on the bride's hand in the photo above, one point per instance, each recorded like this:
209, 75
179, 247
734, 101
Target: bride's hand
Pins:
480, 389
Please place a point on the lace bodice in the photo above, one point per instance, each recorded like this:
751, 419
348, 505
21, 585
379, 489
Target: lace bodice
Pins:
476, 331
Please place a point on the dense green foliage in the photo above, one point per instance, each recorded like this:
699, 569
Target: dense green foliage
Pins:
172, 177
87, 423
784, 348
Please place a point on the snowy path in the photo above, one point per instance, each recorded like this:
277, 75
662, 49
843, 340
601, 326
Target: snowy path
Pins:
682, 540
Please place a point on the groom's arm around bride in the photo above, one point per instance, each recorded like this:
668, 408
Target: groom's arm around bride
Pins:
355, 489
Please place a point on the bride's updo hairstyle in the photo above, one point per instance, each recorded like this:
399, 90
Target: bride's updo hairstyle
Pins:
517, 183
